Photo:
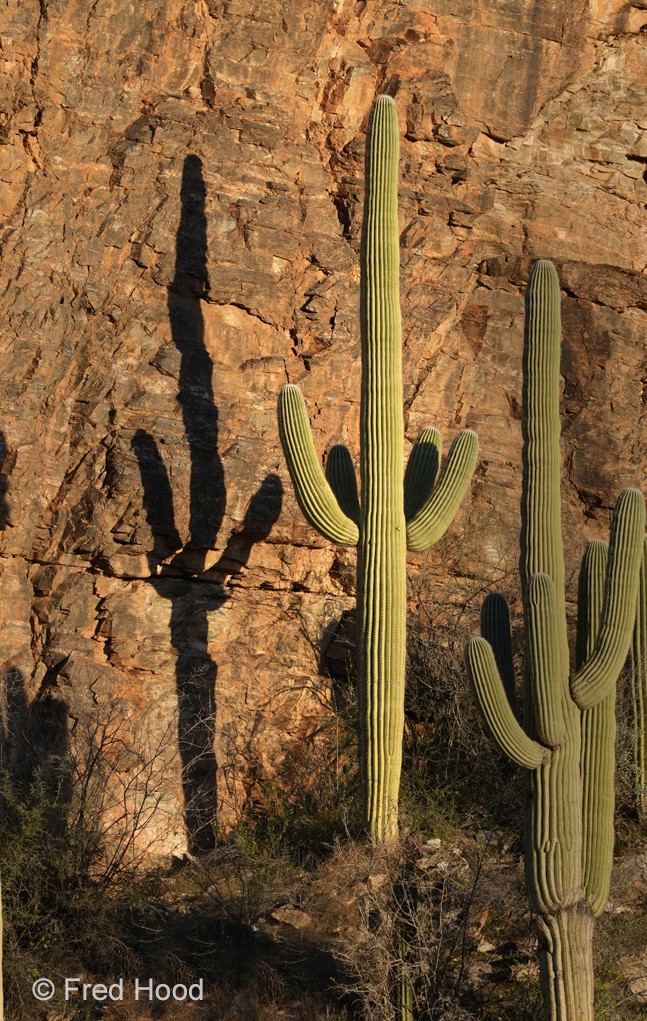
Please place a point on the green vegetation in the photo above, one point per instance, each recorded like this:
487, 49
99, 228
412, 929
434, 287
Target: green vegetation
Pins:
441, 910
390, 517
567, 740
290, 917
638, 690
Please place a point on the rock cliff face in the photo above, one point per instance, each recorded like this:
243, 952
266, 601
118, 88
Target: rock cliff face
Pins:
181, 197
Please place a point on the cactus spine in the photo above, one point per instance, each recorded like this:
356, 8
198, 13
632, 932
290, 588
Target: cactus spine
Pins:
638, 681
566, 741
378, 524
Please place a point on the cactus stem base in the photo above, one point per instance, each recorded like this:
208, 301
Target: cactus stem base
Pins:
566, 964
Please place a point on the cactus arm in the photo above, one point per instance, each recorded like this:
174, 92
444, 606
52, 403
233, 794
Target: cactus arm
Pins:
340, 473
314, 495
422, 470
547, 687
590, 597
495, 628
497, 712
638, 686
381, 560
598, 675
598, 726
436, 514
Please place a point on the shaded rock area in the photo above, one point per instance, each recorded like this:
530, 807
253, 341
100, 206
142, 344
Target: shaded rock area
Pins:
180, 190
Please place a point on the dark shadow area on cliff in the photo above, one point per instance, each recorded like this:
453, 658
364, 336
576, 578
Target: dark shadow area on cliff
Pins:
13, 696
171, 564
33, 732
5, 462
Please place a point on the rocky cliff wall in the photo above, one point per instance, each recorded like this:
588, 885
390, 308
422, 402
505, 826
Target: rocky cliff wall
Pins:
180, 192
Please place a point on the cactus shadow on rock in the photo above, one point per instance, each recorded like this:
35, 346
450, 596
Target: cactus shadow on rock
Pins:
5, 466
33, 731
178, 570
13, 696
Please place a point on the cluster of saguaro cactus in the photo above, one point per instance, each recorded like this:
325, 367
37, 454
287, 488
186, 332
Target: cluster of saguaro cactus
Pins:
566, 741
390, 516
638, 683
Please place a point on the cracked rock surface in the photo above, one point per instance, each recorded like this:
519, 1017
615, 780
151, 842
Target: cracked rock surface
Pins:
180, 198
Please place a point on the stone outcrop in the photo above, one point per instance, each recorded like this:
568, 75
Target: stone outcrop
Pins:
180, 189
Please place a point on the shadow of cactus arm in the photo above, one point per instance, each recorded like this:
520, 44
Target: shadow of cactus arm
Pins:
158, 498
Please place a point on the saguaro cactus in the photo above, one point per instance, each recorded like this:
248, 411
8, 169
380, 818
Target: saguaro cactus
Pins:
390, 516
566, 741
638, 682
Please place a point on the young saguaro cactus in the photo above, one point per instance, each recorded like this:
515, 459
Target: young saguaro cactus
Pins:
390, 516
566, 740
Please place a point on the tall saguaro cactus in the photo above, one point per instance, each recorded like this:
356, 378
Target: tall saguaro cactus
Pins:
390, 516
566, 740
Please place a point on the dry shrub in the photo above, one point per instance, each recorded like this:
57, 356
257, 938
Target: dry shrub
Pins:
412, 910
